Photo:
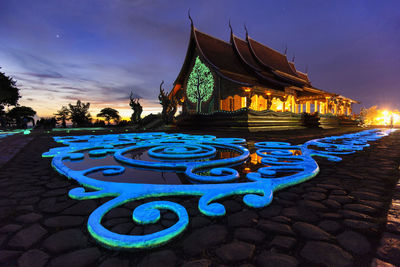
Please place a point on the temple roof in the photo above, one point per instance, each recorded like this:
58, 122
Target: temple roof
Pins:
247, 62
221, 55
244, 51
270, 57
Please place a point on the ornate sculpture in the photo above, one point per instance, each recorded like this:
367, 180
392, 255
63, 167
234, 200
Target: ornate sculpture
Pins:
136, 107
169, 105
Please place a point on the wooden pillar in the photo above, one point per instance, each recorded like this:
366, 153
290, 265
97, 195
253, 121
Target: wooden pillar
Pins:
308, 107
335, 109
326, 106
301, 108
293, 105
316, 106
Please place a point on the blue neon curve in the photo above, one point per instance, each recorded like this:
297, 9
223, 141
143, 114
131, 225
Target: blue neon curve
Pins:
180, 152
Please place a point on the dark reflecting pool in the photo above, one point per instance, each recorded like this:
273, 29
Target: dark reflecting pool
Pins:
146, 176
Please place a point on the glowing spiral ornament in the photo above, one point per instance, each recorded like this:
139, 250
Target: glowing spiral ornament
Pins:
193, 155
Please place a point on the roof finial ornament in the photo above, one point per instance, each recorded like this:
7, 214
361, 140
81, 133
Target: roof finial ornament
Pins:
230, 26
294, 56
245, 28
285, 49
190, 18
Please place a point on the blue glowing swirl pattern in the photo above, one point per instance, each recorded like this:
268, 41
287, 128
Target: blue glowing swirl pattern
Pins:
190, 154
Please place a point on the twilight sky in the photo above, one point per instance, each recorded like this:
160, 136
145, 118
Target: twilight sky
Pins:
100, 50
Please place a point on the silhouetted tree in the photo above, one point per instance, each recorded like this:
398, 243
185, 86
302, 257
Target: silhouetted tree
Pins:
109, 114
46, 123
62, 115
22, 115
3, 119
9, 93
79, 114
99, 123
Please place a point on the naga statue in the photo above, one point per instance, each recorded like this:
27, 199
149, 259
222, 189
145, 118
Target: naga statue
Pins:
169, 106
137, 109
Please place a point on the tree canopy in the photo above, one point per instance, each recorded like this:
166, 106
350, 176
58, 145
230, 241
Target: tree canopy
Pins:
62, 115
21, 115
79, 114
109, 114
9, 93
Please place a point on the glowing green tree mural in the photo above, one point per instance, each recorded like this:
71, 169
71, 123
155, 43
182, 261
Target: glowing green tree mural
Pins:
200, 84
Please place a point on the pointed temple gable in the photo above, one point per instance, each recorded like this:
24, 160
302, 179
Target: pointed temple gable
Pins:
249, 74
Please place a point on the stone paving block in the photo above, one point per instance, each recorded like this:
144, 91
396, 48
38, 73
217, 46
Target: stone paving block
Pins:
235, 251
199, 221
27, 237
243, 219
349, 214
204, 238
354, 242
324, 253
10, 228
80, 258
360, 208
300, 214
283, 242
198, 263
7, 255
270, 211
232, 206
164, 258
33, 257
274, 227
249, 234
330, 226
310, 231
271, 259
114, 262
81, 208
29, 218
64, 221
65, 240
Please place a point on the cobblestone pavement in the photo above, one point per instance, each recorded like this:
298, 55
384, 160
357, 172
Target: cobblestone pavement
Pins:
339, 218
11, 146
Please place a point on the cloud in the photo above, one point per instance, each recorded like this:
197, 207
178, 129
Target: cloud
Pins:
50, 75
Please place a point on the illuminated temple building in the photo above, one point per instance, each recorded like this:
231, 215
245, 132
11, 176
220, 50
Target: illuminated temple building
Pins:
245, 76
